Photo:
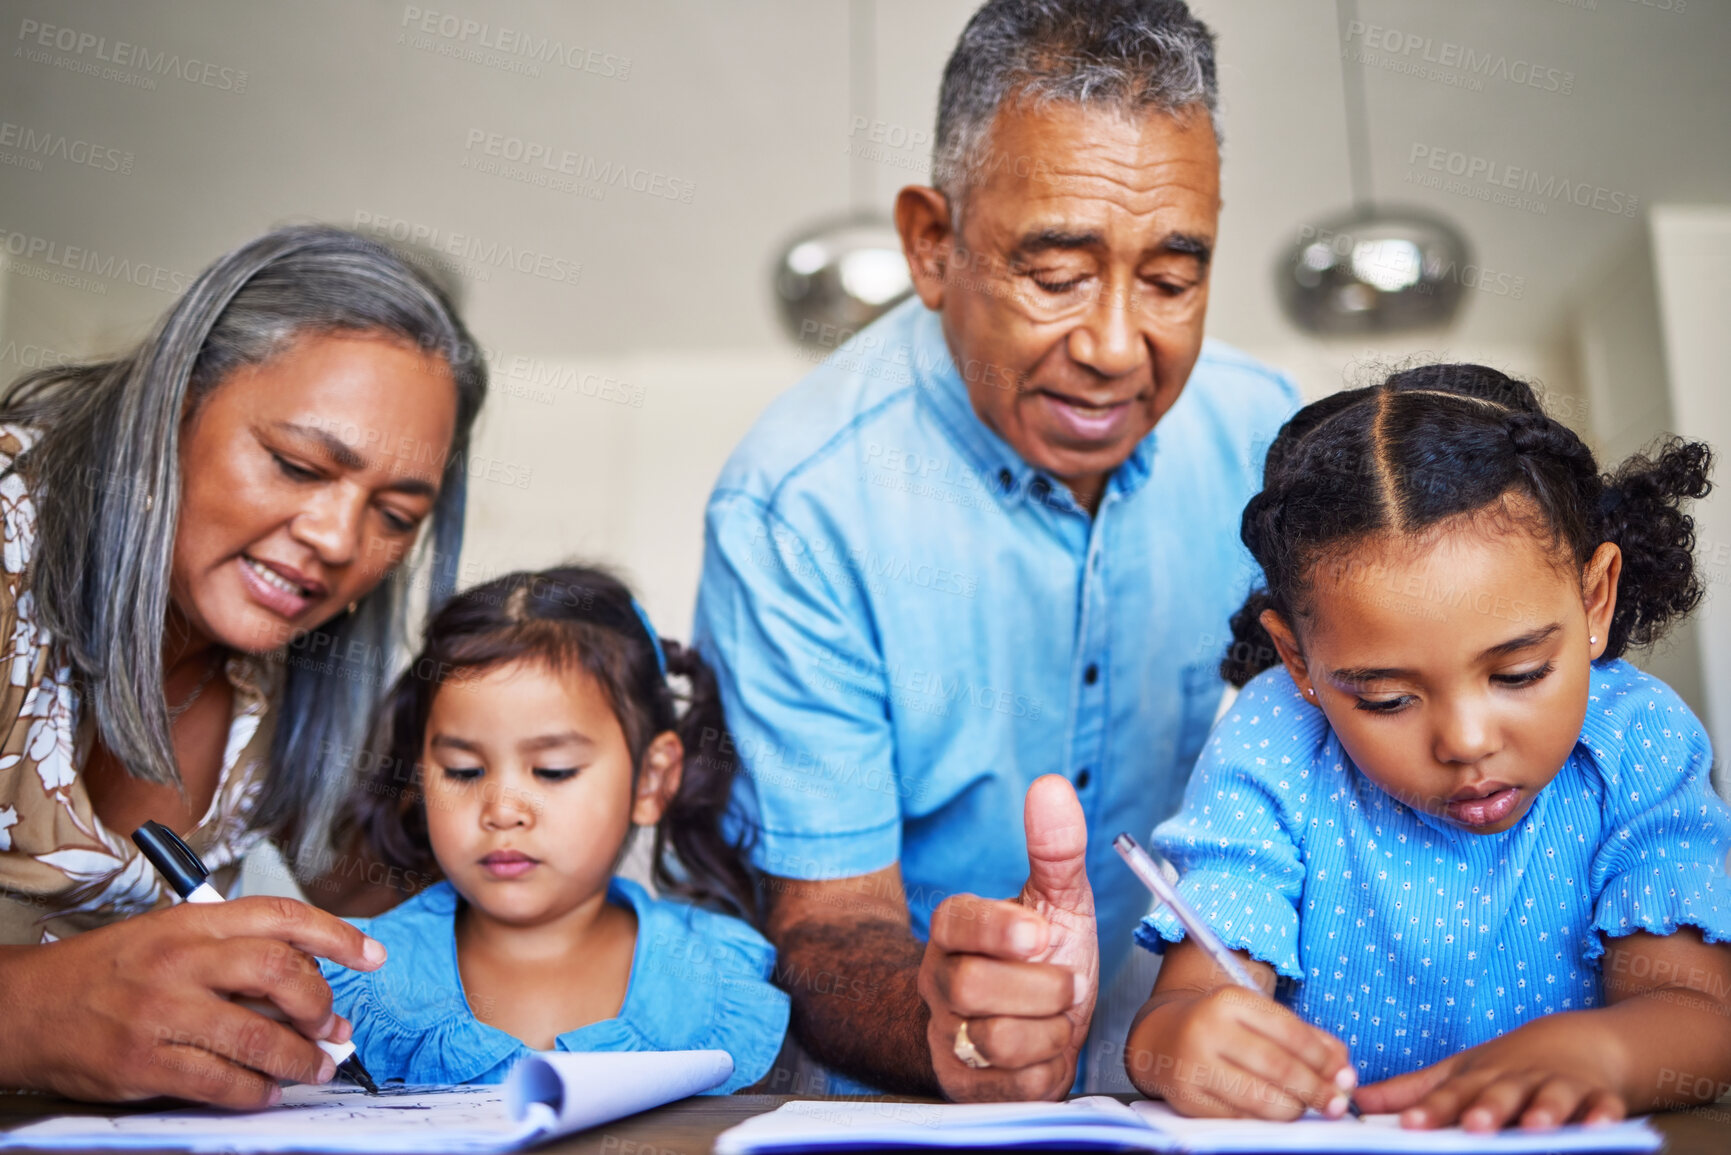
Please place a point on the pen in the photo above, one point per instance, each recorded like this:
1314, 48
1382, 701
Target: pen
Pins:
182, 870
1143, 865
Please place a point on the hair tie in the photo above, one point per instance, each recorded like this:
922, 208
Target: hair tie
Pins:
654, 638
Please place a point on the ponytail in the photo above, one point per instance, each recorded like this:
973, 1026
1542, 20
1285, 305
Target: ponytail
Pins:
1640, 512
693, 854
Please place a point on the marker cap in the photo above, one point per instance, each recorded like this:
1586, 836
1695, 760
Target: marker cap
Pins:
173, 859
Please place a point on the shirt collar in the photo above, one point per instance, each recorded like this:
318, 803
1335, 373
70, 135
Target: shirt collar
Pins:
1000, 469
426, 923
660, 979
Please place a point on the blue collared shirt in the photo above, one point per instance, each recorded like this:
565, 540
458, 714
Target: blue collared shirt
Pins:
699, 981
910, 624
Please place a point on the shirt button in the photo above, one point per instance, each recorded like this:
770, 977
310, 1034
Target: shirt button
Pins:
1005, 480
1091, 674
1040, 489
1082, 778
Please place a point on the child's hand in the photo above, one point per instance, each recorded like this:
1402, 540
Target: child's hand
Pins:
1529, 1077
1233, 1052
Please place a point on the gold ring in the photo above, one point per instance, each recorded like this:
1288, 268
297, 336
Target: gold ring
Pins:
966, 1051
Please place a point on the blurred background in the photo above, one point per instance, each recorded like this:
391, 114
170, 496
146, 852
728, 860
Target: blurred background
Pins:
1580, 147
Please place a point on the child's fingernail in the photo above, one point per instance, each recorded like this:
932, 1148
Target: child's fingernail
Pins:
1337, 1105
327, 1070
329, 1027
374, 951
275, 1095
1023, 936
1346, 1078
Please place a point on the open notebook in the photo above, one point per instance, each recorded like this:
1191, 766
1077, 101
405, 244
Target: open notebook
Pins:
1099, 1123
547, 1095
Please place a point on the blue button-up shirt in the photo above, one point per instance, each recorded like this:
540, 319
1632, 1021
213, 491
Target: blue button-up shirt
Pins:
910, 624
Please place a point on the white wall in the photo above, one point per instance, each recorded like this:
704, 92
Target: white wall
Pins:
1692, 270
618, 482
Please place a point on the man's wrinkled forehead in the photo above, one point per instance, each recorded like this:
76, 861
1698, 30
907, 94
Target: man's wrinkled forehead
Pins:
1056, 164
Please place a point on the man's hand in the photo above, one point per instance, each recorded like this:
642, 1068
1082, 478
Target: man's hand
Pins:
142, 1008
1022, 974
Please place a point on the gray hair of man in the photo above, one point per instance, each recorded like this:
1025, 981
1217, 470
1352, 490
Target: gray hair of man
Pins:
1127, 56
106, 479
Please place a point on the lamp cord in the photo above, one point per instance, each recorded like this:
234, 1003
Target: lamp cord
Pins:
1357, 131
861, 95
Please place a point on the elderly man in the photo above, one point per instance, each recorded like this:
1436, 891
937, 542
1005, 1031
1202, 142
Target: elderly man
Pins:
994, 544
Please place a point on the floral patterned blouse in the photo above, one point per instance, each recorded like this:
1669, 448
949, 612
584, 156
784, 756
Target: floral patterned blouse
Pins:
61, 870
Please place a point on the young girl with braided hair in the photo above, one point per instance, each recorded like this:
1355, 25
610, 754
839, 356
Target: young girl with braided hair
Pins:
534, 730
1473, 853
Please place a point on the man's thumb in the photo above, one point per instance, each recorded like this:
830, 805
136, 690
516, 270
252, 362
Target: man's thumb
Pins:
1057, 845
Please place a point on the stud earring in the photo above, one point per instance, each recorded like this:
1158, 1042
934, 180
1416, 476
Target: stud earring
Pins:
1593, 640
1310, 691
353, 604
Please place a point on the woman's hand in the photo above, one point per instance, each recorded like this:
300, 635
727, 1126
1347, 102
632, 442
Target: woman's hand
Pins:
141, 1008
1556, 1070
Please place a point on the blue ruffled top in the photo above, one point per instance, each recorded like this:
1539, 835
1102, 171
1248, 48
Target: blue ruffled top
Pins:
1409, 938
699, 980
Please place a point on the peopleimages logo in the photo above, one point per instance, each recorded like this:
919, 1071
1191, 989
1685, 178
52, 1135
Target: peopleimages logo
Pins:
87, 48
71, 260
42, 143
485, 43
1446, 54
466, 247
1486, 179
518, 158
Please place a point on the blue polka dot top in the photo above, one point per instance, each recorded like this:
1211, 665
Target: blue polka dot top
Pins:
1411, 939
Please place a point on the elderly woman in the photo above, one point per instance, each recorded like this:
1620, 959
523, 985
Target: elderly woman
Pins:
202, 581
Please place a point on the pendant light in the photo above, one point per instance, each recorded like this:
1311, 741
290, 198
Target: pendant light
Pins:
1374, 268
842, 274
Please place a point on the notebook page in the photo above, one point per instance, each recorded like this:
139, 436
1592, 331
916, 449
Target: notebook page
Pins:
1079, 1124
463, 1120
546, 1095
1383, 1134
581, 1089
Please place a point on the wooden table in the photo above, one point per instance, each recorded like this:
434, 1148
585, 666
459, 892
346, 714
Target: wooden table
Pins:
690, 1127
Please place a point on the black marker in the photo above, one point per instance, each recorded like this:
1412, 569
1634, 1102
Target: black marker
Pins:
182, 870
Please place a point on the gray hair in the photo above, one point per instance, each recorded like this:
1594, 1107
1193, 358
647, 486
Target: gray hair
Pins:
1124, 55
106, 477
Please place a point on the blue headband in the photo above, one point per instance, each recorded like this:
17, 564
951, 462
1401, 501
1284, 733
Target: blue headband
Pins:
654, 638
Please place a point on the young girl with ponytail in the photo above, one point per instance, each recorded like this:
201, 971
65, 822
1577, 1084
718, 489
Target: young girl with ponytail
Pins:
534, 730
1473, 854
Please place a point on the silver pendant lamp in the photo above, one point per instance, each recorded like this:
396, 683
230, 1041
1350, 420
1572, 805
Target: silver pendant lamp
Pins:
1375, 269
